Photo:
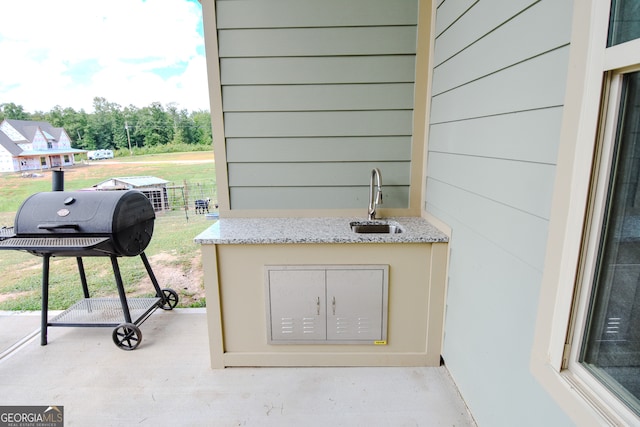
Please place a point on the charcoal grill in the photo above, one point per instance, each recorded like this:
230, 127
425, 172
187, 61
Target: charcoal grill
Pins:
76, 224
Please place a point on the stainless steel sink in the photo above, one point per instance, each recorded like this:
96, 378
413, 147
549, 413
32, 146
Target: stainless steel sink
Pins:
377, 227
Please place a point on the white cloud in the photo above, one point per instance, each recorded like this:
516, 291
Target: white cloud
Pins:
66, 52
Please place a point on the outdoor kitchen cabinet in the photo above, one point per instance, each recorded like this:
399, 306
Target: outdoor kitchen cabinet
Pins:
326, 304
323, 253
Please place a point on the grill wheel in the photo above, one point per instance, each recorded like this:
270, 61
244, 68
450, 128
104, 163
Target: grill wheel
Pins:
171, 298
127, 336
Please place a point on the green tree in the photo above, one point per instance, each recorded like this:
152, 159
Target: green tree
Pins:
202, 121
184, 128
107, 126
55, 117
118, 129
131, 117
175, 117
10, 110
104, 125
154, 125
76, 124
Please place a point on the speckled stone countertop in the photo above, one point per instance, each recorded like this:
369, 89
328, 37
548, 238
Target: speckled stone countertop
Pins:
314, 230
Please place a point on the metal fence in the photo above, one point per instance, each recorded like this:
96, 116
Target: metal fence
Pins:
183, 195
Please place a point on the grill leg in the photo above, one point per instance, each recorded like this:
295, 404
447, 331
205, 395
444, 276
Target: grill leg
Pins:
120, 286
83, 277
44, 321
152, 276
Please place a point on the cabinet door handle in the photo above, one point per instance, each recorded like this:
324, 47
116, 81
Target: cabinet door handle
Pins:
318, 305
333, 305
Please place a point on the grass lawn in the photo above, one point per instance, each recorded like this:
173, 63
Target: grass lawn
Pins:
174, 257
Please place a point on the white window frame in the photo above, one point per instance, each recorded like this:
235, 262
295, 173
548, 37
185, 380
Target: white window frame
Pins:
595, 216
593, 85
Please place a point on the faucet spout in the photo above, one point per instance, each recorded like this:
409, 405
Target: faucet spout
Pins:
375, 198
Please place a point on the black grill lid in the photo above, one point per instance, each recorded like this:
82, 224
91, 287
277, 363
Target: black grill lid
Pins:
83, 223
84, 212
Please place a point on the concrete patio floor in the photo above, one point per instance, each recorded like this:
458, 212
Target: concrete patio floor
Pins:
167, 381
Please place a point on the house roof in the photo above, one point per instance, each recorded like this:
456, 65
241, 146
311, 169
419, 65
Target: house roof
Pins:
6, 142
28, 128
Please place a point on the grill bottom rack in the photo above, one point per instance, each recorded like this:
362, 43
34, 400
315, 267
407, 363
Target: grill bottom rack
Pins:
125, 314
104, 312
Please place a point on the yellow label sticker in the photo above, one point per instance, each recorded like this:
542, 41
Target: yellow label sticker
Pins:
380, 342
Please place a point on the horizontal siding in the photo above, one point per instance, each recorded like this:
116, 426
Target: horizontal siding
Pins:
515, 41
318, 97
314, 70
506, 286
365, 149
537, 83
495, 121
515, 136
314, 197
496, 113
321, 123
314, 174
515, 231
483, 17
313, 13
317, 41
527, 188
450, 11
316, 94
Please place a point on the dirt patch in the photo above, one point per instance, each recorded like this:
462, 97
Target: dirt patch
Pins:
187, 281
13, 295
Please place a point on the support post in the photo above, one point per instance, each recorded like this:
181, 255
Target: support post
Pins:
44, 321
120, 286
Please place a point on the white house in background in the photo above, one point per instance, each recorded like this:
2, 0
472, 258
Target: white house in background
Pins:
30, 145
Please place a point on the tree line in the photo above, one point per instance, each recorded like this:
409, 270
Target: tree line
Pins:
111, 126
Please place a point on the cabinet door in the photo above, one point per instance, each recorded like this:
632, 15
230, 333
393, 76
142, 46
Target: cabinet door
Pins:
297, 303
355, 305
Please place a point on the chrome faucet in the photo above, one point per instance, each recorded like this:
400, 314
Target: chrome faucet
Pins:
375, 199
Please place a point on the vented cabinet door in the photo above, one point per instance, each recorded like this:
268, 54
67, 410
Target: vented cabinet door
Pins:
355, 305
297, 304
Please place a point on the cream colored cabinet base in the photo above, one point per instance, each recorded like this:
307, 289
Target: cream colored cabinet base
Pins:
239, 304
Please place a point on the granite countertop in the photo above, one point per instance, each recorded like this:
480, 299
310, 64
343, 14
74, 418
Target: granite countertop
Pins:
314, 230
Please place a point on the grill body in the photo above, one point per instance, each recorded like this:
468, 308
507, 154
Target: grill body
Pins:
83, 223
87, 223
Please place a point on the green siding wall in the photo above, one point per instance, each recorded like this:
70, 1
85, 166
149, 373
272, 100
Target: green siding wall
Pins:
314, 95
498, 88
313, 13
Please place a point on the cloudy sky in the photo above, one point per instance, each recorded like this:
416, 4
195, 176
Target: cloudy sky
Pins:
131, 52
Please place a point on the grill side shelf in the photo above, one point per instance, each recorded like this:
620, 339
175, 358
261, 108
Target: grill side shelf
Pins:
47, 243
6, 232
